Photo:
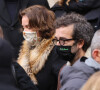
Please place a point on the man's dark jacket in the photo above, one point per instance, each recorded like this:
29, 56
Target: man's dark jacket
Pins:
89, 8
73, 77
11, 28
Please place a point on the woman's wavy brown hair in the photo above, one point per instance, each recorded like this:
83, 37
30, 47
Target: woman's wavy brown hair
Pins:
41, 19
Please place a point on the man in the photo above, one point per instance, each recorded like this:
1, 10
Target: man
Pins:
73, 36
73, 77
94, 63
9, 10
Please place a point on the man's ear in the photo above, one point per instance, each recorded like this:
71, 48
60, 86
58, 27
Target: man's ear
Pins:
80, 43
96, 55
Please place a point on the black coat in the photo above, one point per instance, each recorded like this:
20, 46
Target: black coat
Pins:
7, 81
47, 77
88, 8
11, 28
73, 77
49, 80
23, 81
12, 75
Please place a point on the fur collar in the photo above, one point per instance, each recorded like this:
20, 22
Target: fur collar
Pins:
33, 60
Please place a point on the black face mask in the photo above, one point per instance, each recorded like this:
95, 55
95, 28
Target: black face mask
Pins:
65, 52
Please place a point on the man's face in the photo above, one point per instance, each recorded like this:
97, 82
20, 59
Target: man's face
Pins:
66, 33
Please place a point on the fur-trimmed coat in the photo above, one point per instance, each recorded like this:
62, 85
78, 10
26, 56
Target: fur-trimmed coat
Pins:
41, 63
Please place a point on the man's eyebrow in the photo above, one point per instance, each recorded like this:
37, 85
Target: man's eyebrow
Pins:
62, 38
27, 25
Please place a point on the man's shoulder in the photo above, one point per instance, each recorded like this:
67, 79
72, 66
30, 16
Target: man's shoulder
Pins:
71, 78
75, 76
76, 67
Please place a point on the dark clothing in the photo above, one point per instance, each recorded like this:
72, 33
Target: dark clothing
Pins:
93, 17
44, 72
12, 78
59, 10
11, 6
23, 81
50, 72
88, 8
11, 25
7, 81
83, 6
73, 77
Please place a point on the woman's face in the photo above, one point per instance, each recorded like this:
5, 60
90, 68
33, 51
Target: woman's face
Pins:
25, 25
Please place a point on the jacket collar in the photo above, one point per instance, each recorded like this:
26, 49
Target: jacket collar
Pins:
92, 63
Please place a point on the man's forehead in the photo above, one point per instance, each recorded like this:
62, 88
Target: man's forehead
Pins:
64, 31
65, 28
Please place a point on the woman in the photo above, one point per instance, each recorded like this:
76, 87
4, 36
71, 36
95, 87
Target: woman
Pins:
37, 55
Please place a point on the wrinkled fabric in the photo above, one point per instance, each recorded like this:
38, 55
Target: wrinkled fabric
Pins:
73, 77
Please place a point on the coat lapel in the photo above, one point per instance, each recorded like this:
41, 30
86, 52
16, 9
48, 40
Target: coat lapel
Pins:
4, 13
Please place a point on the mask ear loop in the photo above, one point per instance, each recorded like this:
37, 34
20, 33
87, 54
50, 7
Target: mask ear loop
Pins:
37, 38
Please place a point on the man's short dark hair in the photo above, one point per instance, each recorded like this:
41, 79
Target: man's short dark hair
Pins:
82, 29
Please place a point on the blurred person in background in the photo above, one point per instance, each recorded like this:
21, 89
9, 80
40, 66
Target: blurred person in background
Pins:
9, 71
93, 83
7, 81
90, 9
